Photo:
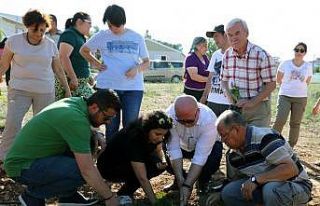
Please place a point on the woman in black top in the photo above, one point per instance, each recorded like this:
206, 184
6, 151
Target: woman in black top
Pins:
134, 154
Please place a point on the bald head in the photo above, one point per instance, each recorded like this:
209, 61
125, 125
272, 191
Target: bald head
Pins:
185, 105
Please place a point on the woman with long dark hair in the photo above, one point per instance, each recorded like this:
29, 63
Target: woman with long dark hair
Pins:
134, 155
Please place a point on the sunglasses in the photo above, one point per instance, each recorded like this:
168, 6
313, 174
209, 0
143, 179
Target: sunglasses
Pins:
188, 121
106, 117
299, 50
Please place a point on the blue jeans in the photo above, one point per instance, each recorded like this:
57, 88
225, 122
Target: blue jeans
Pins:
55, 176
272, 194
130, 103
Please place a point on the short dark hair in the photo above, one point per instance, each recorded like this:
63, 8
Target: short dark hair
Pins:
36, 17
53, 18
115, 15
72, 21
230, 118
105, 99
303, 45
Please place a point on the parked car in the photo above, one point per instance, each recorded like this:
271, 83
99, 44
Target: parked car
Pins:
169, 71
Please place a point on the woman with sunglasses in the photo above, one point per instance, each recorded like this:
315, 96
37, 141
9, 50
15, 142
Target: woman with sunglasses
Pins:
134, 155
294, 76
34, 60
75, 66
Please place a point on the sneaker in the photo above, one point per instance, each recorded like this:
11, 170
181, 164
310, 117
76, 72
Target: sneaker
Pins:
76, 199
125, 200
27, 200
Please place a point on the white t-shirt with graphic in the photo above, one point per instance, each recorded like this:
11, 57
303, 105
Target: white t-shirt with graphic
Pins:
294, 79
120, 53
216, 94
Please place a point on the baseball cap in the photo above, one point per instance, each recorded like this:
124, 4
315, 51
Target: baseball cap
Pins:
219, 28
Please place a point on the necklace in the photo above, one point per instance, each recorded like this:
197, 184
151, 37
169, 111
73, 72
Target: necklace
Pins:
28, 40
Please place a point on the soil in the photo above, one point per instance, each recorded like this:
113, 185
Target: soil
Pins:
307, 149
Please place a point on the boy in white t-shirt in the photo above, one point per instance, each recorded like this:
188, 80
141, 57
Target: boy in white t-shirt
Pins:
213, 94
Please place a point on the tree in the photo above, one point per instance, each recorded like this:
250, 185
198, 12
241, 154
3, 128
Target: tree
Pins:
212, 47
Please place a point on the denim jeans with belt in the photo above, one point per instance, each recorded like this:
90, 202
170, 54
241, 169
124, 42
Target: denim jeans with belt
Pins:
130, 107
54, 176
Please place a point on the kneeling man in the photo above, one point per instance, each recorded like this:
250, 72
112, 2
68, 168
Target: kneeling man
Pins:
272, 174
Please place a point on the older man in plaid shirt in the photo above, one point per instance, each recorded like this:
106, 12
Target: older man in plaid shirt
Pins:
248, 75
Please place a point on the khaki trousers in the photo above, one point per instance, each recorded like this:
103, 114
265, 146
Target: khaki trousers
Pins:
19, 102
260, 115
285, 105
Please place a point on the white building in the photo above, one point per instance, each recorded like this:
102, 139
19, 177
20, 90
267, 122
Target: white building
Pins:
10, 24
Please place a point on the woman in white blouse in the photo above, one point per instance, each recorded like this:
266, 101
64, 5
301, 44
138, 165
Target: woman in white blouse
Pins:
294, 76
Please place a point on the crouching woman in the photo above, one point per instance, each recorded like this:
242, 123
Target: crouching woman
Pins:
134, 155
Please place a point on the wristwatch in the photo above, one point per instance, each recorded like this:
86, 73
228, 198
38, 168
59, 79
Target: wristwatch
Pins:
253, 179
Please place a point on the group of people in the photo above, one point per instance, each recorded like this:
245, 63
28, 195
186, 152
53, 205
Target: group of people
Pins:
226, 100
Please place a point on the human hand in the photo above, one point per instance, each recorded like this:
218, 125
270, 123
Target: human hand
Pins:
99, 65
131, 73
247, 188
73, 84
316, 109
245, 103
67, 93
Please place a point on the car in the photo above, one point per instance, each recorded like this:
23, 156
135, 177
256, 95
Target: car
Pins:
164, 71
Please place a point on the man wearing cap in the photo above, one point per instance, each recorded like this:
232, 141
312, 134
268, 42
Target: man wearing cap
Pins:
193, 136
213, 93
248, 75
271, 173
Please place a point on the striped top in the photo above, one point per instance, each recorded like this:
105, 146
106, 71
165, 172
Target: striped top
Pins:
248, 72
264, 150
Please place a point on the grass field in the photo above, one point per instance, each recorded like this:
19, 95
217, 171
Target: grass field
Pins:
158, 96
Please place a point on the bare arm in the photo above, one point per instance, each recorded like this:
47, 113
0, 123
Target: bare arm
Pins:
284, 171
92, 176
177, 169
193, 72
140, 171
279, 77
57, 69
5, 60
65, 50
316, 107
269, 87
132, 72
86, 53
227, 92
207, 89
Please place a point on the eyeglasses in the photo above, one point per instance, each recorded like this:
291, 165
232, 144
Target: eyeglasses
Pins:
88, 21
106, 117
299, 50
188, 121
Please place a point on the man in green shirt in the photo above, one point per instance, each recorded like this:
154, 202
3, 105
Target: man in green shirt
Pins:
52, 152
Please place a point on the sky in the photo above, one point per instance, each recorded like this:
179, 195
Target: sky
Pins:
275, 25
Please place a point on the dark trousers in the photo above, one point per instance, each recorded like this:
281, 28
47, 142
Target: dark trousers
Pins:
124, 173
195, 93
211, 166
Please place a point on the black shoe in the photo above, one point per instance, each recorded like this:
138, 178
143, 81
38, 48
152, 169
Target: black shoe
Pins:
76, 199
27, 200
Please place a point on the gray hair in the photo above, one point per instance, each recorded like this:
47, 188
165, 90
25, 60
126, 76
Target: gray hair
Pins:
235, 21
196, 41
229, 118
